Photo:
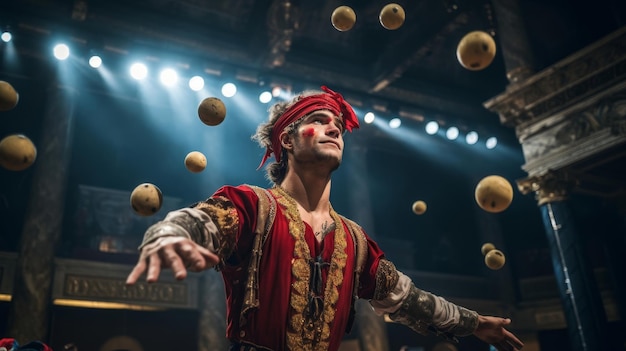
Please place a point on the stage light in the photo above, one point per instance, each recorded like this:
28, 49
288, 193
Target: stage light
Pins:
229, 90
369, 117
61, 52
6, 37
491, 142
196, 83
168, 77
138, 71
265, 97
276, 91
452, 133
471, 138
432, 127
395, 123
95, 61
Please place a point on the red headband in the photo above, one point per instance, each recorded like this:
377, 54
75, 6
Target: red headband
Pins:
329, 100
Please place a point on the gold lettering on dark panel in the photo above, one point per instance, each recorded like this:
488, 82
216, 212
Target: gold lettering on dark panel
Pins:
117, 290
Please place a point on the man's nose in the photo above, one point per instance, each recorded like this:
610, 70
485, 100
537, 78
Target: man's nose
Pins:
333, 130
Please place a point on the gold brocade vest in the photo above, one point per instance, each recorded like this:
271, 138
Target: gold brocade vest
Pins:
303, 333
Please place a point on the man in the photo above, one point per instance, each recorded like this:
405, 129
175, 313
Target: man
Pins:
292, 266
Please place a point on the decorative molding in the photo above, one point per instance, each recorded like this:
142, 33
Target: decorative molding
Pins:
106, 282
111, 289
585, 73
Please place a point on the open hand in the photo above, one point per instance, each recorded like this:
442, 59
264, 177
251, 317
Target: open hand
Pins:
178, 253
491, 330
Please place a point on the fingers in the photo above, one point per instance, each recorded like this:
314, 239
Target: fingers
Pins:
195, 257
175, 261
178, 254
134, 275
513, 340
154, 268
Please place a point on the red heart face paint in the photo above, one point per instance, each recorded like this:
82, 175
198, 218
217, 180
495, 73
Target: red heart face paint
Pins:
309, 132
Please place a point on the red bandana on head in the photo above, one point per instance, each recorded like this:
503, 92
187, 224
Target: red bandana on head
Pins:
329, 100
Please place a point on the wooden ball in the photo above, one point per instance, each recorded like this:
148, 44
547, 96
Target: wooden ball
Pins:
17, 152
392, 16
419, 207
495, 259
146, 199
476, 50
195, 162
494, 194
8, 96
212, 111
343, 18
486, 248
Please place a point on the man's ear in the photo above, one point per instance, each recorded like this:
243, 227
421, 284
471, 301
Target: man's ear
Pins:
286, 140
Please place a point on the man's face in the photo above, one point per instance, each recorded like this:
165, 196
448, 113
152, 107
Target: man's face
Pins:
319, 139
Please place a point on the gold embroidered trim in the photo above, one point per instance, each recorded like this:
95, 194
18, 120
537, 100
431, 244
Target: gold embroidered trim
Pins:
386, 279
303, 334
266, 212
224, 215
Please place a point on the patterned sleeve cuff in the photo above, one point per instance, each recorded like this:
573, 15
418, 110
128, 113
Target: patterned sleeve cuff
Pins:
423, 311
162, 229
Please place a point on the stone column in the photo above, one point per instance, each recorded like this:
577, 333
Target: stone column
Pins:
514, 44
212, 317
30, 305
370, 328
580, 296
612, 227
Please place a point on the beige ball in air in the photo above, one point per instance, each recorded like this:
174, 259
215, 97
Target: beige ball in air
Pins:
495, 259
419, 207
212, 111
494, 194
476, 50
8, 96
146, 199
17, 152
486, 248
195, 162
392, 16
343, 18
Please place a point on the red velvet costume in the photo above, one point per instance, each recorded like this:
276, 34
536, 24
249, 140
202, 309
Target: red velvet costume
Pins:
280, 322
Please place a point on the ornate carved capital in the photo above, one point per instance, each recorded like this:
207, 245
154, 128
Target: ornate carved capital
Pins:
549, 187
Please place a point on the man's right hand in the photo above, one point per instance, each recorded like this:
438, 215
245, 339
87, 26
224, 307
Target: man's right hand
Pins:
175, 252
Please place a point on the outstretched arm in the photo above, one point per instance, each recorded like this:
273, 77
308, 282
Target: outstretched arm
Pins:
187, 239
428, 313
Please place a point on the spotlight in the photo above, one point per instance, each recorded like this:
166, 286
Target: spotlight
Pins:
138, 71
432, 127
395, 123
229, 90
61, 52
276, 91
265, 97
196, 83
471, 138
168, 77
95, 61
369, 117
6, 37
491, 142
452, 133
